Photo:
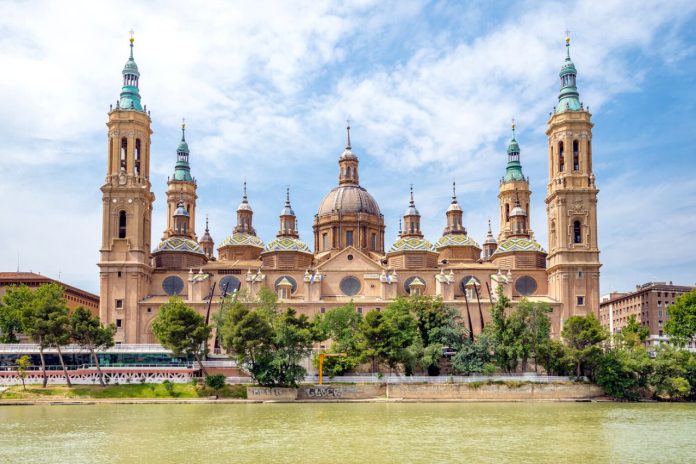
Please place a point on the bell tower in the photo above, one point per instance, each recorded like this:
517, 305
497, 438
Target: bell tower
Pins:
514, 188
571, 199
124, 265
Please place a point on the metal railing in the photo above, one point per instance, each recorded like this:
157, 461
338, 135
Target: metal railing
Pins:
442, 379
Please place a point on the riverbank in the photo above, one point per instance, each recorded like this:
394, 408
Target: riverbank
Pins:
365, 393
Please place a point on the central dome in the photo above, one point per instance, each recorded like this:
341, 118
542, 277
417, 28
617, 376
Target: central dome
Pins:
348, 199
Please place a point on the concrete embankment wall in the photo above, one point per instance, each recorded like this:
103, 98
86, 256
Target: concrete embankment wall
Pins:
510, 391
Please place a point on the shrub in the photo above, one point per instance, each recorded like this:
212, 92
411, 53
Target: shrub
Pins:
216, 381
169, 387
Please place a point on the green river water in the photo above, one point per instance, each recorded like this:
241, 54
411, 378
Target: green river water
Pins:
350, 433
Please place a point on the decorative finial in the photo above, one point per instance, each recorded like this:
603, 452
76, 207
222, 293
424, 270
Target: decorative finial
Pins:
513, 128
206, 223
287, 195
244, 197
412, 203
348, 147
183, 129
400, 226
454, 191
490, 232
567, 41
517, 198
132, 39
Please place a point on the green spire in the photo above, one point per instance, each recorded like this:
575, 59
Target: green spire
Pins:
182, 170
130, 95
569, 98
514, 167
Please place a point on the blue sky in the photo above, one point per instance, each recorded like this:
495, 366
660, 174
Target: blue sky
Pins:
430, 88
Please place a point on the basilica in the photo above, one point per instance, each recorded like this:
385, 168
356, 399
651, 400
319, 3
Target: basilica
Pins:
347, 259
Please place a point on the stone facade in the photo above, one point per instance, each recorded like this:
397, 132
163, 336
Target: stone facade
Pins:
349, 259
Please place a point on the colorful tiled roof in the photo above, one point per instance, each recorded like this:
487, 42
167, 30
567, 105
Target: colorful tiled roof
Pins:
287, 244
179, 244
242, 239
455, 240
518, 244
411, 244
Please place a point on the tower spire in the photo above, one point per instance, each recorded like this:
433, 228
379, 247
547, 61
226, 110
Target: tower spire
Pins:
182, 170
348, 147
513, 171
568, 98
130, 95
454, 192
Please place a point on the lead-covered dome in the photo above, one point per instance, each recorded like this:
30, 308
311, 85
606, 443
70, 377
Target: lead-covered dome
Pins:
348, 199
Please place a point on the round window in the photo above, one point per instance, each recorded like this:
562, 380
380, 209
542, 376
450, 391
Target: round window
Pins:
409, 281
525, 285
290, 279
465, 280
229, 284
350, 257
173, 285
350, 286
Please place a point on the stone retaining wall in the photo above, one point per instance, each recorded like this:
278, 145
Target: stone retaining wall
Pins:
510, 391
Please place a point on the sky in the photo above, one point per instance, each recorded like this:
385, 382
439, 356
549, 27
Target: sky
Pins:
430, 88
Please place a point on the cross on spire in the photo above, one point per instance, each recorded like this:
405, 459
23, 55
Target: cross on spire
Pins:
183, 129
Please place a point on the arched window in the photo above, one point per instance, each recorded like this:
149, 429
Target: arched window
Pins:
122, 224
560, 157
576, 156
124, 150
137, 157
507, 212
577, 235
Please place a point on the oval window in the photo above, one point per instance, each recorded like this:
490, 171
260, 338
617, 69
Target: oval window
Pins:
229, 285
350, 286
290, 279
525, 285
173, 285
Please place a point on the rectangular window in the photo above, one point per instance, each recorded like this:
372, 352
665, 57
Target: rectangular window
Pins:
119, 273
374, 241
359, 310
349, 238
324, 241
119, 304
119, 323
659, 304
322, 310
581, 300
659, 313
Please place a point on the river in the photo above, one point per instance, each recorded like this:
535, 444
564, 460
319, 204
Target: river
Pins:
349, 433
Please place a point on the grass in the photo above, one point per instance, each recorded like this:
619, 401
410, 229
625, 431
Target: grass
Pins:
133, 391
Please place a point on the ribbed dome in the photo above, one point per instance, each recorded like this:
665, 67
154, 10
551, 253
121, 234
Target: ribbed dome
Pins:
179, 244
348, 199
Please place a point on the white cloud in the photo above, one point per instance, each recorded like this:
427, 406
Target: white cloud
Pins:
265, 87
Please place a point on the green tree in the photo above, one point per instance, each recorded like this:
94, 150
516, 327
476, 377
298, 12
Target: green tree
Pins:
23, 364
400, 328
505, 333
46, 322
673, 373
681, 325
372, 338
269, 343
88, 332
583, 336
556, 358
634, 334
473, 356
532, 321
623, 373
440, 329
15, 303
182, 330
341, 325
